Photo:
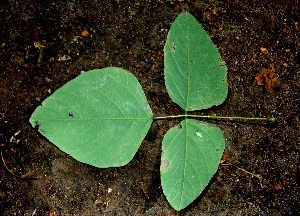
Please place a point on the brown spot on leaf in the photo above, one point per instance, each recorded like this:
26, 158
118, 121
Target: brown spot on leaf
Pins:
164, 165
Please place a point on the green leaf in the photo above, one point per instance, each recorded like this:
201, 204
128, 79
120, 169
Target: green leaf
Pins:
190, 157
99, 118
195, 75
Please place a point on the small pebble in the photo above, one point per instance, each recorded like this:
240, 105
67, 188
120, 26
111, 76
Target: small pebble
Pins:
145, 64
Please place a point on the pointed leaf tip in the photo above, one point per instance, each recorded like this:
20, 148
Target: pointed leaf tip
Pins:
190, 157
195, 74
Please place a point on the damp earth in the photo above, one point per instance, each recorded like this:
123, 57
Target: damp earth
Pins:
46, 44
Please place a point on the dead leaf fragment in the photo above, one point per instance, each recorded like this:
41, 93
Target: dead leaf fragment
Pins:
280, 143
40, 44
264, 50
297, 25
85, 33
224, 158
268, 78
64, 58
98, 201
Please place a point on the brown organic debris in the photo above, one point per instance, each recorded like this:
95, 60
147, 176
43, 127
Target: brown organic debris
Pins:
268, 78
85, 33
27, 176
264, 50
254, 175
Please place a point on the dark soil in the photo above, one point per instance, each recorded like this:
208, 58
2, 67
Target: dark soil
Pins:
44, 44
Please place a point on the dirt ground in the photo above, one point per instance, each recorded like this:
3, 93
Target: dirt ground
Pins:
44, 44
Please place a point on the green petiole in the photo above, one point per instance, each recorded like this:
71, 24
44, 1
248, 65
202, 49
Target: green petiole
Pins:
271, 119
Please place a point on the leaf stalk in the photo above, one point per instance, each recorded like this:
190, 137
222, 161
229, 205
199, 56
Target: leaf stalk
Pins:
271, 119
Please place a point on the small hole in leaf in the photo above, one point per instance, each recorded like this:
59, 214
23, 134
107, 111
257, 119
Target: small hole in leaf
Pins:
192, 61
174, 47
71, 114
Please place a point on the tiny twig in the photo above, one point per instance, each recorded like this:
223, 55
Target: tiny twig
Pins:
9, 170
255, 175
25, 176
250, 11
3, 201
